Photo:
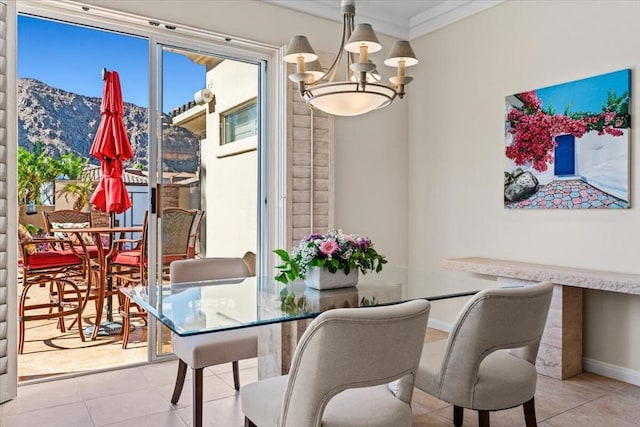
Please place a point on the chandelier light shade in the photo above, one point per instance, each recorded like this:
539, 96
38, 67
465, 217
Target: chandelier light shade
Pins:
359, 92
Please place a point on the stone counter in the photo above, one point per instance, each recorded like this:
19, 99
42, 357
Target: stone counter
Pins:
560, 354
577, 277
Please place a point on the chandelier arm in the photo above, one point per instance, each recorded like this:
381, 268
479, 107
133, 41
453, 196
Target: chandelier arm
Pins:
331, 71
349, 25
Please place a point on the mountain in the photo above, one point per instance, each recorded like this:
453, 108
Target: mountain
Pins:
67, 122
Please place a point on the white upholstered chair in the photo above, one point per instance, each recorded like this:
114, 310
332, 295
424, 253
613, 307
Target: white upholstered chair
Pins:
488, 362
204, 350
352, 367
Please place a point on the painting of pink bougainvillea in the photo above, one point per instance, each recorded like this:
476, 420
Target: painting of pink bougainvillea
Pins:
567, 146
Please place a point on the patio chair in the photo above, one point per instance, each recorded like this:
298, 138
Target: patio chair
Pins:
194, 237
55, 224
54, 262
352, 367
129, 267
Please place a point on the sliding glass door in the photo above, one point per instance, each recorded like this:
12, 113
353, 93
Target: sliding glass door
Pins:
207, 176
203, 116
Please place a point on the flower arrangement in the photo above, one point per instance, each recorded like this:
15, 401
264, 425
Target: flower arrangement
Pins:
534, 129
334, 250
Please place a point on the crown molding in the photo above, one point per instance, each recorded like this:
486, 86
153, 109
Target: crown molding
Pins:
441, 15
445, 14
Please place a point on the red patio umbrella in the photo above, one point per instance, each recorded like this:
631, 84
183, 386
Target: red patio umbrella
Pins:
111, 146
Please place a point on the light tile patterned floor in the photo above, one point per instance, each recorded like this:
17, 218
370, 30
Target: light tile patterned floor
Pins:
141, 396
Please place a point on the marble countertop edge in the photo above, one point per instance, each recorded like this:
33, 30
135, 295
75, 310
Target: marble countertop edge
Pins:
584, 278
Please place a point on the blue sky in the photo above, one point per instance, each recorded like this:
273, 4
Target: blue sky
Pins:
586, 95
71, 57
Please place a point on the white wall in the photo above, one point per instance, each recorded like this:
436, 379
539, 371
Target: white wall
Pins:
456, 154
230, 181
371, 151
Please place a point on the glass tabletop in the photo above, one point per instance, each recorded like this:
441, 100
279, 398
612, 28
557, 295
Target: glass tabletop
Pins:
217, 305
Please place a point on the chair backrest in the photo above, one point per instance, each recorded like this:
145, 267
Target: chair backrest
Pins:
494, 319
55, 222
199, 269
352, 347
194, 236
53, 219
100, 219
250, 259
176, 231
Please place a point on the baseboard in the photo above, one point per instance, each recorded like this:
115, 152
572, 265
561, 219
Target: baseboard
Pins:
441, 325
611, 371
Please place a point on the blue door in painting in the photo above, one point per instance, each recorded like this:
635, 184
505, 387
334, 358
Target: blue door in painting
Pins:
565, 155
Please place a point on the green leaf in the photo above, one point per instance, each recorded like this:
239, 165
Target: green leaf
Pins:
295, 269
283, 254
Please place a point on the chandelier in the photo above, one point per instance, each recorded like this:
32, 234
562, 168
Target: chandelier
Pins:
359, 92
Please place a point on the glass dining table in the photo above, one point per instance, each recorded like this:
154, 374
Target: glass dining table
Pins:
219, 305
194, 308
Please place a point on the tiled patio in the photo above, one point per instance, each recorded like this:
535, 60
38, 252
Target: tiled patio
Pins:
569, 194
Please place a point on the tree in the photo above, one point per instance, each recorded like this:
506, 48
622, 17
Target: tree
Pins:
80, 185
35, 170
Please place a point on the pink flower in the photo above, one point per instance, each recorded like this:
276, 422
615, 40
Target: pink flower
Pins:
328, 247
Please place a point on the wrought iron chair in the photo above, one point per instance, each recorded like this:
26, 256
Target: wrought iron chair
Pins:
53, 262
129, 267
55, 224
194, 237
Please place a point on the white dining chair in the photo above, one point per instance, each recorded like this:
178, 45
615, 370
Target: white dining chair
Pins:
488, 362
352, 367
200, 351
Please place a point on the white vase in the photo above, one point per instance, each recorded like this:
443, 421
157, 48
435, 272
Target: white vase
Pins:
322, 278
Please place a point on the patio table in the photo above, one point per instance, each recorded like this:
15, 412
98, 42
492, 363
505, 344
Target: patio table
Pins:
105, 285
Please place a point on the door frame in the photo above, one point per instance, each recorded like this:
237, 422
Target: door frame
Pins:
272, 186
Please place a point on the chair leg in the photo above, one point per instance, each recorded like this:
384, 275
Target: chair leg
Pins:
60, 289
236, 375
197, 397
483, 418
21, 322
248, 423
529, 413
182, 373
458, 414
126, 325
99, 307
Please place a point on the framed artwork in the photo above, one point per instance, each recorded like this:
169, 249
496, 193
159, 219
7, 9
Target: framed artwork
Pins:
567, 146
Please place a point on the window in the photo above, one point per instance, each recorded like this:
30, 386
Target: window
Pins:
239, 123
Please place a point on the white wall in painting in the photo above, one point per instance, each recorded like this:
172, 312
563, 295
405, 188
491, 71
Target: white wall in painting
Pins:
602, 161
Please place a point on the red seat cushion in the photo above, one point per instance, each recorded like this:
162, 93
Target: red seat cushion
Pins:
131, 258
92, 250
52, 259
167, 259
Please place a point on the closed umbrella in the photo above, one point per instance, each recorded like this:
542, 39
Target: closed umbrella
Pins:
111, 195
111, 146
